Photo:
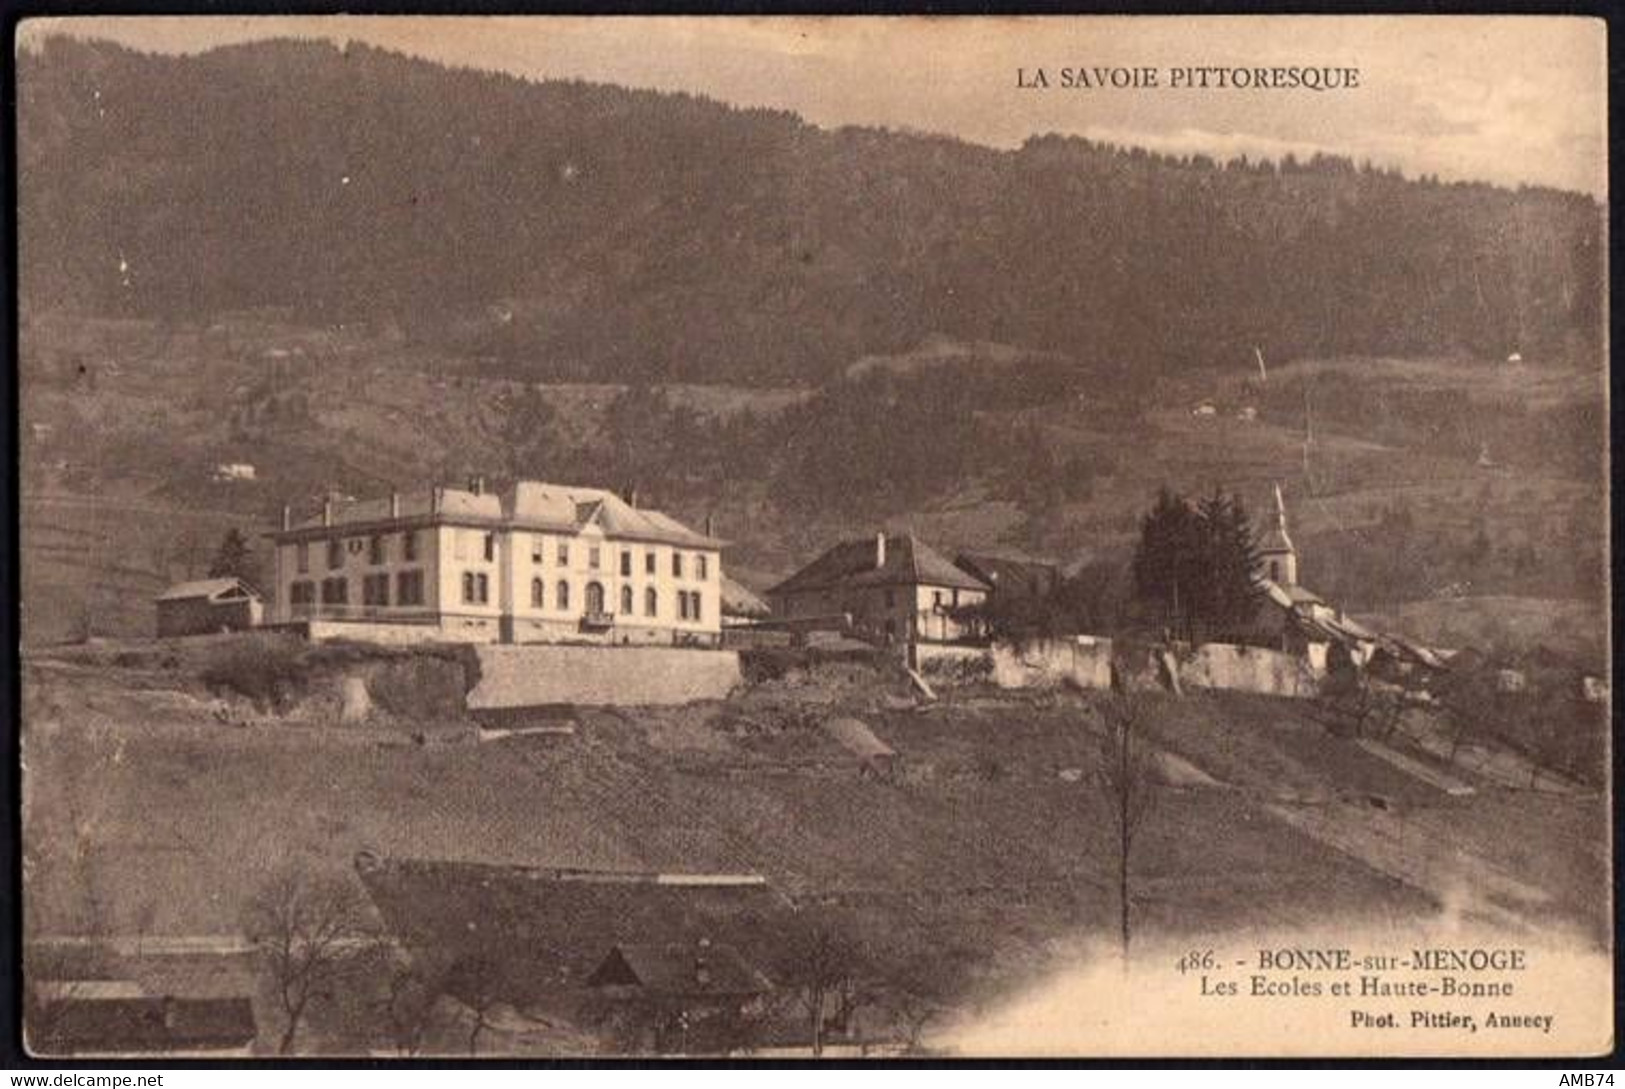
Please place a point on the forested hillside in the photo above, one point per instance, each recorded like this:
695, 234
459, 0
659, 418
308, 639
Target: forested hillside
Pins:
570, 230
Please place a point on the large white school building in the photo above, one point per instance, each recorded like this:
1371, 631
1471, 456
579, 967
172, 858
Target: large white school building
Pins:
536, 562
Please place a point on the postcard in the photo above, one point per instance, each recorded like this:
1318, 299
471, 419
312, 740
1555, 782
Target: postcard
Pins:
814, 537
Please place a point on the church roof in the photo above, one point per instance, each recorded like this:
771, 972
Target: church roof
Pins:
1275, 539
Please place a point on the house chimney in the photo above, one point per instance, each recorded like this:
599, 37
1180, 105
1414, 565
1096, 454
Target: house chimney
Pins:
327, 510
287, 517
394, 504
437, 499
476, 484
632, 497
880, 550
708, 525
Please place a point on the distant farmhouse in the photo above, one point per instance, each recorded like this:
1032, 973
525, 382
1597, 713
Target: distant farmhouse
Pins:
228, 471
895, 588
208, 606
536, 563
1011, 578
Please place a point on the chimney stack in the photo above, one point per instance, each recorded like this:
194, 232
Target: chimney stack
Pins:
437, 499
287, 517
394, 504
632, 497
327, 510
476, 484
880, 550
708, 526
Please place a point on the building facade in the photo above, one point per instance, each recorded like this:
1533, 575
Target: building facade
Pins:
893, 589
536, 563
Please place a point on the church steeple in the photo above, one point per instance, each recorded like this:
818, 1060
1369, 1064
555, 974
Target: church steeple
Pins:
1277, 557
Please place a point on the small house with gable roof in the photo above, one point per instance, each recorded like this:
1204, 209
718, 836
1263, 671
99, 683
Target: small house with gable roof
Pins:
894, 588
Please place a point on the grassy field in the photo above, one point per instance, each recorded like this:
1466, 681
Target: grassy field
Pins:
148, 812
1575, 628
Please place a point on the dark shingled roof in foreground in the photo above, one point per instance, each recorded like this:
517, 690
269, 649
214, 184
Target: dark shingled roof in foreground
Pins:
544, 929
909, 562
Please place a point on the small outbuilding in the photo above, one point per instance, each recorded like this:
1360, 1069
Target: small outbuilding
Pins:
878, 759
677, 999
118, 1023
208, 606
741, 605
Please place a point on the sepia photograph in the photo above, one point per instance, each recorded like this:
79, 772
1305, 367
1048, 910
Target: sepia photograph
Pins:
790, 538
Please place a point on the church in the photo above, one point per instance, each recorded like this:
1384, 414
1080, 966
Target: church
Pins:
1293, 618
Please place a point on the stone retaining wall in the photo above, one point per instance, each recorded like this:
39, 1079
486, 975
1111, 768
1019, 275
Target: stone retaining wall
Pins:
529, 676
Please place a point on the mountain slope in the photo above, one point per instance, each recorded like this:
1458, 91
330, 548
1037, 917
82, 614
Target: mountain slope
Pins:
588, 231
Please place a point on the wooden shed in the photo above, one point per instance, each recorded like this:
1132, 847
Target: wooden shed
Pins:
207, 606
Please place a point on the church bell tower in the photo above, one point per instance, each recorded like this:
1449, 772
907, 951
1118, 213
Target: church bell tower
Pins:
1277, 557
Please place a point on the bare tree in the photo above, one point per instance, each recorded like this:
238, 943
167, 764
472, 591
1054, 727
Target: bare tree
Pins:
824, 972
910, 1015
53, 973
1127, 782
307, 928
412, 992
476, 983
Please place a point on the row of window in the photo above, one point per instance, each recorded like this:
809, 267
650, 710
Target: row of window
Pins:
688, 601
595, 560
408, 587
377, 548
375, 590
938, 598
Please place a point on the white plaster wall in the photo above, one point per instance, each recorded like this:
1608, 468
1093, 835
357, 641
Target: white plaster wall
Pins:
1247, 669
1047, 662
